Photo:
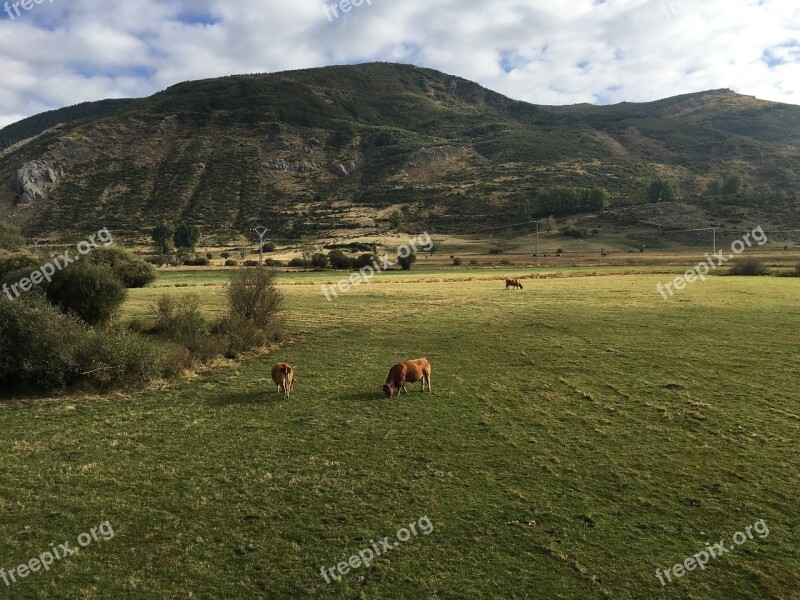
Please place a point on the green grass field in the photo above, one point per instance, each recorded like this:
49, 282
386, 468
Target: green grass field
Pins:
581, 434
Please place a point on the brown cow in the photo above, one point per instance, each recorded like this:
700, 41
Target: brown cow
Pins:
283, 376
410, 371
513, 283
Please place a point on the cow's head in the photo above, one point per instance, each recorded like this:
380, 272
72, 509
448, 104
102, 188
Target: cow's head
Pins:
387, 390
520, 285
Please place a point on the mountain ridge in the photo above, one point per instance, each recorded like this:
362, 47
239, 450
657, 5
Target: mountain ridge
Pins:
336, 149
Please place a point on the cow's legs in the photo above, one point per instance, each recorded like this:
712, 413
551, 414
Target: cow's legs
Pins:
429, 384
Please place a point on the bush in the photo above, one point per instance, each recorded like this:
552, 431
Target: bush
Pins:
298, 263
180, 321
116, 358
45, 349
36, 348
18, 262
272, 263
130, 270
572, 231
225, 255
197, 261
505, 262
473, 262
251, 263
269, 247
457, 261
231, 263
135, 274
210, 255
797, 269
91, 292
255, 304
11, 237
405, 263
319, 261
495, 251
749, 267
339, 260
364, 260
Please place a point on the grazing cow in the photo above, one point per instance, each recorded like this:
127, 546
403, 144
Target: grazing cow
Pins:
283, 376
410, 371
513, 283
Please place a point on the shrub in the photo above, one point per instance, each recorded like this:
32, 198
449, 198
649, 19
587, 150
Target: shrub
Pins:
135, 274
405, 263
231, 263
272, 263
364, 260
17, 262
572, 231
11, 237
197, 261
210, 255
225, 255
251, 263
46, 349
255, 305
129, 269
36, 348
269, 247
298, 263
339, 260
749, 267
797, 269
91, 292
457, 261
505, 262
116, 358
319, 261
180, 321
473, 262
495, 251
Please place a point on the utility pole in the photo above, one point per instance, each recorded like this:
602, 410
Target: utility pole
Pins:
715, 240
261, 232
537, 242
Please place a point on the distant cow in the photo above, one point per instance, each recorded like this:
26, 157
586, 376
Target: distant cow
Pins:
410, 371
513, 283
283, 376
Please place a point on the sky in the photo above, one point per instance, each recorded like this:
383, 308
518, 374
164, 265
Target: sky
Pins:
56, 53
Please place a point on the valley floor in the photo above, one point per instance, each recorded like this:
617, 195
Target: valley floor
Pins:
582, 433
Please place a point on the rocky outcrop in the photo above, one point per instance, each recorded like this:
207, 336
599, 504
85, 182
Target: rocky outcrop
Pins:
285, 165
315, 167
35, 180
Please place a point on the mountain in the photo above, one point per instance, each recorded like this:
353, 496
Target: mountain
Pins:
33, 126
339, 149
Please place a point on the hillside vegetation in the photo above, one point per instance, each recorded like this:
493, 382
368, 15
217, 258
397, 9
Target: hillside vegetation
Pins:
342, 149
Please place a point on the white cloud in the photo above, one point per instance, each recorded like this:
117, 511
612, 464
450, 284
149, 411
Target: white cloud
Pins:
61, 52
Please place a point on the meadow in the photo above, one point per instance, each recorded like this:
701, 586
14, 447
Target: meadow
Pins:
581, 434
